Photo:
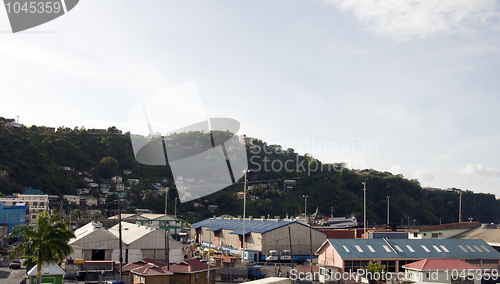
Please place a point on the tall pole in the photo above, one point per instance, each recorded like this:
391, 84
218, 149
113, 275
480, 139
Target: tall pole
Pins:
175, 215
167, 245
364, 210
209, 247
244, 212
460, 209
388, 209
305, 206
120, 236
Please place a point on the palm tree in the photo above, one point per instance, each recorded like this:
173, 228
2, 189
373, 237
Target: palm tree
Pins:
45, 243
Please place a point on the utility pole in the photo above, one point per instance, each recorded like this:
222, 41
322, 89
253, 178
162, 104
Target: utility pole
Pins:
291, 250
209, 247
305, 206
364, 211
460, 209
120, 235
388, 209
244, 212
167, 245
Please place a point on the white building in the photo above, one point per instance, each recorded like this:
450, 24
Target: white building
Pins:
93, 242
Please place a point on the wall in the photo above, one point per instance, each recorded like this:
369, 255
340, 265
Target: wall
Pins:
278, 239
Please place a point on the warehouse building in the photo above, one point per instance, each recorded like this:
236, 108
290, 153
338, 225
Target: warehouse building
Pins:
93, 242
261, 236
349, 255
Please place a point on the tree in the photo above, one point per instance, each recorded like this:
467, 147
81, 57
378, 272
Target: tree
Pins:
108, 167
45, 243
373, 271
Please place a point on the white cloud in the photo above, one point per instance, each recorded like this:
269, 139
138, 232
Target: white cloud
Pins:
421, 18
424, 175
396, 169
480, 170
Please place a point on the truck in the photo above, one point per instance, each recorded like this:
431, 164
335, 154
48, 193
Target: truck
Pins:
273, 256
286, 256
252, 272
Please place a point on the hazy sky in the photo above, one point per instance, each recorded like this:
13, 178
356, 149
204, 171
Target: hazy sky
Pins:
409, 87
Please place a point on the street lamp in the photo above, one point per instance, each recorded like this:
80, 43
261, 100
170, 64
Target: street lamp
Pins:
305, 206
364, 210
388, 209
244, 212
460, 209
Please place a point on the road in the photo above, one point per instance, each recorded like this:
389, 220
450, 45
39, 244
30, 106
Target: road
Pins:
10, 276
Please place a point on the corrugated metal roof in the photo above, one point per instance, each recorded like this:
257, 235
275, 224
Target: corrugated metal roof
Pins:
255, 226
441, 264
412, 249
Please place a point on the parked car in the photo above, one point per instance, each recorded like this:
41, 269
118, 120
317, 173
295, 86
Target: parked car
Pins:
15, 264
4, 251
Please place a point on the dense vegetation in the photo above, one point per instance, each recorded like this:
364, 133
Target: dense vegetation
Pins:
31, 157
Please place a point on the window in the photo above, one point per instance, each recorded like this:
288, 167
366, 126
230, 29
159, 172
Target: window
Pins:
398, 248
436, 248
415, 235
470, 248
197, 278
425, 234
346, 249
478, 249
14, 217
435, 235
358, 248
354, 265
35, 203
33, 217
410, 248
386, 248
370, 248
460, 246
425, 248
210, 276
390, 265
444, 248
485, 248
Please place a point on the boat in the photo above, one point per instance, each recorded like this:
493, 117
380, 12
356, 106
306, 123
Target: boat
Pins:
338, 222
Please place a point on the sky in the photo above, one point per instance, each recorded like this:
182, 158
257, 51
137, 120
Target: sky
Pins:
408, 87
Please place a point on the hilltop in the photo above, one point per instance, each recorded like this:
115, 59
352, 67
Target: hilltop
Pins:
62, 161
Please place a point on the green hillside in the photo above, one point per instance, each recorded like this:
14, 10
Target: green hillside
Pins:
32, 157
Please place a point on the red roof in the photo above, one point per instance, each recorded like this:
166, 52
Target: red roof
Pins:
141, 262
150, 269
440, 263
190, 266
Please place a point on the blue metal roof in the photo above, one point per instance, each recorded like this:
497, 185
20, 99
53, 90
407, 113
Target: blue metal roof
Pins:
255, 226
413, 248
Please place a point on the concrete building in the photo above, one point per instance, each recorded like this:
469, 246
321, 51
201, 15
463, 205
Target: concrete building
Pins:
35, 199
261, 236
93, 242
73, 199
161, 221
13, 215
